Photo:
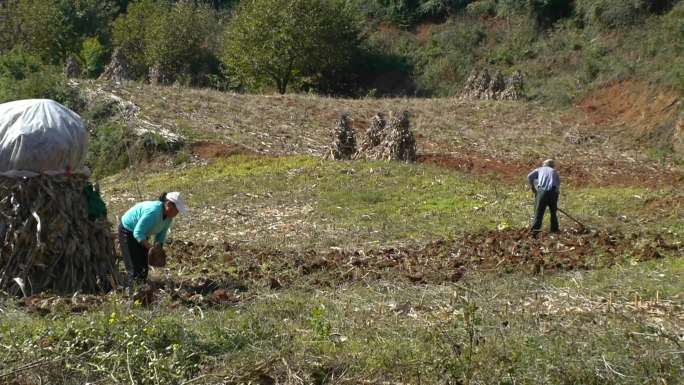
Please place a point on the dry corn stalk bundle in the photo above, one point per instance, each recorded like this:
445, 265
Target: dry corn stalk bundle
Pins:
483, 86
373, 137
344, 139
398, 142
476, 85
48, 240
514, 87
118, 69
496, 85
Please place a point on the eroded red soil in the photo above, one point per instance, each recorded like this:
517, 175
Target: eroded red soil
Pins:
598, 172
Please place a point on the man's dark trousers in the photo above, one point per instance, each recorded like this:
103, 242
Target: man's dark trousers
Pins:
542, 200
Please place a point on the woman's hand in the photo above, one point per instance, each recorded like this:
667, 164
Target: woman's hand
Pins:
146, 245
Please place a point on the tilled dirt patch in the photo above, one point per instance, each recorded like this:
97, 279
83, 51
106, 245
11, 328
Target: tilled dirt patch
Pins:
584, 172
436, 262
207, 275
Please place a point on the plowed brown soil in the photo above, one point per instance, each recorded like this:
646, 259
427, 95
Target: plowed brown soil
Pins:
577, 173
437, 262
219, 275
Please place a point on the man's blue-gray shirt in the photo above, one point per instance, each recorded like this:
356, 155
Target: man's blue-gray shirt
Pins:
547, 178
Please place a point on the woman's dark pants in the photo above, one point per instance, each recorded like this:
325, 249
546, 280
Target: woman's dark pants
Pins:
134, 256
542, 200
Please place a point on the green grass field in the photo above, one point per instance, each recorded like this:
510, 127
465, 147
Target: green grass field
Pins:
620, 325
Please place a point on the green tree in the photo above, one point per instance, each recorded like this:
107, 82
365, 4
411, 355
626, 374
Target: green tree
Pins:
128, 32
174, 37
179, 37
93, 54
278, 41
53, 29
42, 29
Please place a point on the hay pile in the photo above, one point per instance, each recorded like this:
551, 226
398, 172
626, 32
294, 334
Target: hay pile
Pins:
344, 139
48, 241
392, 140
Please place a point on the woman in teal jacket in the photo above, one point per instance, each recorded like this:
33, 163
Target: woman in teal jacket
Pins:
142, 222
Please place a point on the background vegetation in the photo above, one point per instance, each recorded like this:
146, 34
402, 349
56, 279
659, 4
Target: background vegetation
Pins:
359, 48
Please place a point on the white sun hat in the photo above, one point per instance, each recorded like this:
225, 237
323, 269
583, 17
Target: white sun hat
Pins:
175, 197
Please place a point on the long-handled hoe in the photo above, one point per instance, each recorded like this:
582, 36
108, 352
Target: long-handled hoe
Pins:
582, 226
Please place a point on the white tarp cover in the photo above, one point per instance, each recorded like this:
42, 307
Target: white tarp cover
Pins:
42, 136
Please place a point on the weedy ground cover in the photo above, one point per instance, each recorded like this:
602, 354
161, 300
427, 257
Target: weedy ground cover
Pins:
292, 269
620, 325
304, 202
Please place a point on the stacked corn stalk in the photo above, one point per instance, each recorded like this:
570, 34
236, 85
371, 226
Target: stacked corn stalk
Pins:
344, 139
514, 87
398, 142
496, 86
373, 137
476, 85
48, 241
483, 86
118, 69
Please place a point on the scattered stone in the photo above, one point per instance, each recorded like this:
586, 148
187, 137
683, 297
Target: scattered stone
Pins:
344, 139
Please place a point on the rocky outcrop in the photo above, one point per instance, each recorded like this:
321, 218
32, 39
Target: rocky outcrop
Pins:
158, 75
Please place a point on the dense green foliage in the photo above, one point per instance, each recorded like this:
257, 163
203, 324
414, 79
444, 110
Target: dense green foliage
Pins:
24, 76
359, 48
285, 42
93, 55
176, 39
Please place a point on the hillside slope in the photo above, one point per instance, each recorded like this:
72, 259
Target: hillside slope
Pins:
596, 142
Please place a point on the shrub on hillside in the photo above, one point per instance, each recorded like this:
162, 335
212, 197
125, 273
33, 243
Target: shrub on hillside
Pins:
93, 54
24, 76
150, 32
128, 33
408, 13
543, 12
195, 25
449, 57
617, 13
53, 29
278, 42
